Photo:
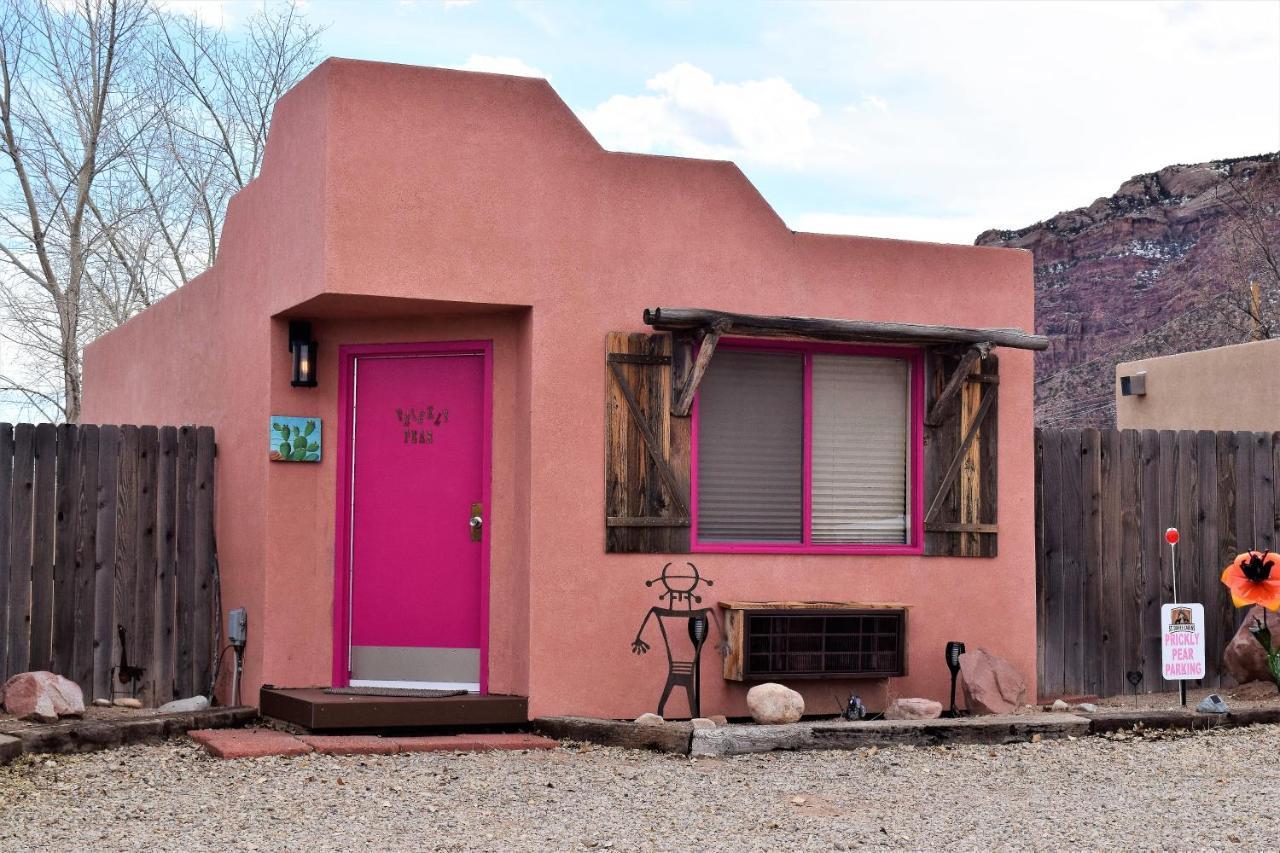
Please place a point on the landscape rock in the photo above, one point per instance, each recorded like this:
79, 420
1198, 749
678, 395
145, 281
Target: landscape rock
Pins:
1185, 182
703, 723
991, 684
719, 719
193, 703
913, 709
128, 702
1212, 704
774, 703
1059, 705
649, 720
1087, 708
102, 703
1243, 659
42, 697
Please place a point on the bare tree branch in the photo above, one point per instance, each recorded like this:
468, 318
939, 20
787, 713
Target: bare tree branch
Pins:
124, 131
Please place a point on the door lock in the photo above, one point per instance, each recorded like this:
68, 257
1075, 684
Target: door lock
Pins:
477, 521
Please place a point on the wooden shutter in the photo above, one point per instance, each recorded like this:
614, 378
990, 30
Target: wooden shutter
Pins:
960, 453
646, 449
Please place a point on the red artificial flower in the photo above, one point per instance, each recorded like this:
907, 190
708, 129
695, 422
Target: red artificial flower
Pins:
1249, 577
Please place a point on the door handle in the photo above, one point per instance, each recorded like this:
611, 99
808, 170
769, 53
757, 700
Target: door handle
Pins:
477, 521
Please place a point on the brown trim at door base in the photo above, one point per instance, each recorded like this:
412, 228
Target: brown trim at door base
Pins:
312, 708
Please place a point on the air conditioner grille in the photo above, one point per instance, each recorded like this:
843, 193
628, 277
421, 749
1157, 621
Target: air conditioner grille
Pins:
825, 644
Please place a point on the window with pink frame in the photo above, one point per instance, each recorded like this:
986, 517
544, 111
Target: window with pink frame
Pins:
808, 448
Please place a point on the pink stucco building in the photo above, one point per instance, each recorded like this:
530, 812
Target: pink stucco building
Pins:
464, 252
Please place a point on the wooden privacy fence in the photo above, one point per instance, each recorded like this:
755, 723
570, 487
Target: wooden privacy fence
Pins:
102, 528
1104, 499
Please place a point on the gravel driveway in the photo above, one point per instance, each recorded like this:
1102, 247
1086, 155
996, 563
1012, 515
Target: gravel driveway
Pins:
1190, 791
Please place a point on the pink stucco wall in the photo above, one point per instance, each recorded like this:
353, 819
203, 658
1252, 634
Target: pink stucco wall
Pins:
416, 204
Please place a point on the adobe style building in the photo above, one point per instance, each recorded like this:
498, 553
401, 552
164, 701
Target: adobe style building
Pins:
1225, 388
544, 371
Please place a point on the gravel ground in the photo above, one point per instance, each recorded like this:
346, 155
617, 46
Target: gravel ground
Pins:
1154, 792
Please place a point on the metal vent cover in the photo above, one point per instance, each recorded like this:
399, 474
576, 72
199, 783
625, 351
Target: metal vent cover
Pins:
824, 644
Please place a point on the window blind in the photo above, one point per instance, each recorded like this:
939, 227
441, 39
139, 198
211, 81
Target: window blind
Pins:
861, 467
751, 448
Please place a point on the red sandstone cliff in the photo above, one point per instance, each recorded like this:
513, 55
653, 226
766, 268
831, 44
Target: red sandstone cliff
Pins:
1161, 266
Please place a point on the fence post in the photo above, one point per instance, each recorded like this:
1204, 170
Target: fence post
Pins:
6, 498
19, 594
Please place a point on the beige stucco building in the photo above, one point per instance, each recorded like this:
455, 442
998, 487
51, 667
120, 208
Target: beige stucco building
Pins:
1227, 388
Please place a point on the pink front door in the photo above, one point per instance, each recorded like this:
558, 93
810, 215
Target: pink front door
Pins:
417, 445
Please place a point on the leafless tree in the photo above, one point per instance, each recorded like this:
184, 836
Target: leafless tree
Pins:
216, 111
1254, 253
63, 77
124, 131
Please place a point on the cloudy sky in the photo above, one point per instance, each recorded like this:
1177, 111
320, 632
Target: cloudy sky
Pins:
921, 120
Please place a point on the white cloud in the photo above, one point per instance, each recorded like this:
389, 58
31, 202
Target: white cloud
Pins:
501, 65
933, 120
876, 103
1010, 113
937, 121
693, 114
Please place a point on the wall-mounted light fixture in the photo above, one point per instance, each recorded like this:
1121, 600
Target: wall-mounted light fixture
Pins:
1134, 385
303, 349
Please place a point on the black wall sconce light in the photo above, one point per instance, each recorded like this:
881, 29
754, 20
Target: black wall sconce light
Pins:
303, 349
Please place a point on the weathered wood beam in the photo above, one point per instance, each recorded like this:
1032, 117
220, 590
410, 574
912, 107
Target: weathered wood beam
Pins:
668, 737
816, 328
953, 385
959, 527
644, 521
811, 605
684, 404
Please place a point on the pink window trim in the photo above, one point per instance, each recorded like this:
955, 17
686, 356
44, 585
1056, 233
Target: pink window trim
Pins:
912, 355
347, 355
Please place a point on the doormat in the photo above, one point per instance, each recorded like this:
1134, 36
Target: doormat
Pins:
415, 692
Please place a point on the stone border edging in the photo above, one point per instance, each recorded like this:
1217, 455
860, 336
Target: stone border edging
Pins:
741, 739
89, 735
840, 734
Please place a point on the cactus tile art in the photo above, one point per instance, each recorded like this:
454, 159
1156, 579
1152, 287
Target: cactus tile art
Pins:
295, 439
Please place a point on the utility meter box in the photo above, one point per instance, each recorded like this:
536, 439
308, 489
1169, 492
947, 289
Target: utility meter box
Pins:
238, 627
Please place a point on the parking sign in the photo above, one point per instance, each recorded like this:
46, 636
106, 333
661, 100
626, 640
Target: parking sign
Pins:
1182, 641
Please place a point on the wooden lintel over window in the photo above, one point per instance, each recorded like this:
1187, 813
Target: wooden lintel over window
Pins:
708, 325
822, 329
